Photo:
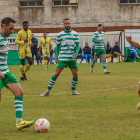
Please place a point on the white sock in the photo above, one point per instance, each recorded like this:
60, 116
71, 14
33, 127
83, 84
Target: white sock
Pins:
18, 120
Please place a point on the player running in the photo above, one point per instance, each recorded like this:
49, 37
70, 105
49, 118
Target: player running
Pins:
66, 41
46, 45
7, 79
98, 39
24, 40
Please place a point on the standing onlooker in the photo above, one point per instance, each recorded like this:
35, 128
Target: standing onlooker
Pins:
108, 49
133, 52
98, 39
51, 56
116, 51
87, 52
34, 48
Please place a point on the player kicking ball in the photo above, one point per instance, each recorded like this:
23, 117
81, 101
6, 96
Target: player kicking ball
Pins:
7, 79
66, 41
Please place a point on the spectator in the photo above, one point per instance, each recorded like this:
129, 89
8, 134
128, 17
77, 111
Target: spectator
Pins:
51, 56
80, 54
133, 53
87, 52
101, 60
34, 48
116, 51
108, 49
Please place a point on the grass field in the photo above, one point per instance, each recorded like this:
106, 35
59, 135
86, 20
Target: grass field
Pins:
106, 110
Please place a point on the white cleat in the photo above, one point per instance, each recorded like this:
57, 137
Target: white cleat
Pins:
73, 92
106, 72
91, 70
46, 93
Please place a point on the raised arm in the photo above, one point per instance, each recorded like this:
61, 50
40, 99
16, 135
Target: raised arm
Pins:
132, 43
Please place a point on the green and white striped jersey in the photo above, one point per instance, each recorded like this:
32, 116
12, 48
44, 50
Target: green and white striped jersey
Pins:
97, 37
3, 54
67, 40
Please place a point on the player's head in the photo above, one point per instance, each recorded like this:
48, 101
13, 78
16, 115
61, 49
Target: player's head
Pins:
33, 36
7, 26
67, 24
44, 35
100, 27
25, 25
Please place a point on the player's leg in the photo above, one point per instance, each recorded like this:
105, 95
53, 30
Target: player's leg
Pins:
29, 63
139, 89
93, 63
12, 84
104, 63
22, 69
48, 60
45, 62
74, 69
52, 81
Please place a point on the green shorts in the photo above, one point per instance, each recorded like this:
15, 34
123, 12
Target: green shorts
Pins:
64, 64
9, 78
98, 52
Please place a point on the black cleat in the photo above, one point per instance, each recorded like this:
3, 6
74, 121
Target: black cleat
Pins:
24, 76
21, 79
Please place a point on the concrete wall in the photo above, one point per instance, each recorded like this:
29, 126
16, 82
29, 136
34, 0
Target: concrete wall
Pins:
88, 13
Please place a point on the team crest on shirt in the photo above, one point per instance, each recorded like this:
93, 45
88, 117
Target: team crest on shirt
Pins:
17, 35
71, 35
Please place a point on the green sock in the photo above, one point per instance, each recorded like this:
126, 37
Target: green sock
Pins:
104, 65
52, 82
74, 83
92, 64
18, 106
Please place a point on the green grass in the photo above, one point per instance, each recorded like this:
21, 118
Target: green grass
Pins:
106, 110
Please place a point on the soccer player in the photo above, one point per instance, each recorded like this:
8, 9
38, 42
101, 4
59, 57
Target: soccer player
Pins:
24, 40
46, 45
7, 79
98, 39
136, 45
66, 41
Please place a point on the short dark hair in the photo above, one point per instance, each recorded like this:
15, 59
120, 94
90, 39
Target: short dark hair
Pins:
99, 24
25, 22
7, 21
116, 42
66, 19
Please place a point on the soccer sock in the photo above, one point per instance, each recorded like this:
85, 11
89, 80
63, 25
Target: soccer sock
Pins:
93, 63
27, 68
52, 82
21, 70
18, 103
104, 65
74, 83
45, 63
118, 59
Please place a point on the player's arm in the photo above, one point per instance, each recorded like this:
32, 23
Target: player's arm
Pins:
131, 42
30, 42
40, 46
95, 40
77, 50
57, 48
18, 39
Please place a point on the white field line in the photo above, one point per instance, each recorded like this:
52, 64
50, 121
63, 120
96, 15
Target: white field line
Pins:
82, 91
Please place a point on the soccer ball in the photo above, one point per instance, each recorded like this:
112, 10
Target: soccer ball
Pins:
42, 125
138, 106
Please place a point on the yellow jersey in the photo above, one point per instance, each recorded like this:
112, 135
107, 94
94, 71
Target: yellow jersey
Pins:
45, 44
21, 36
